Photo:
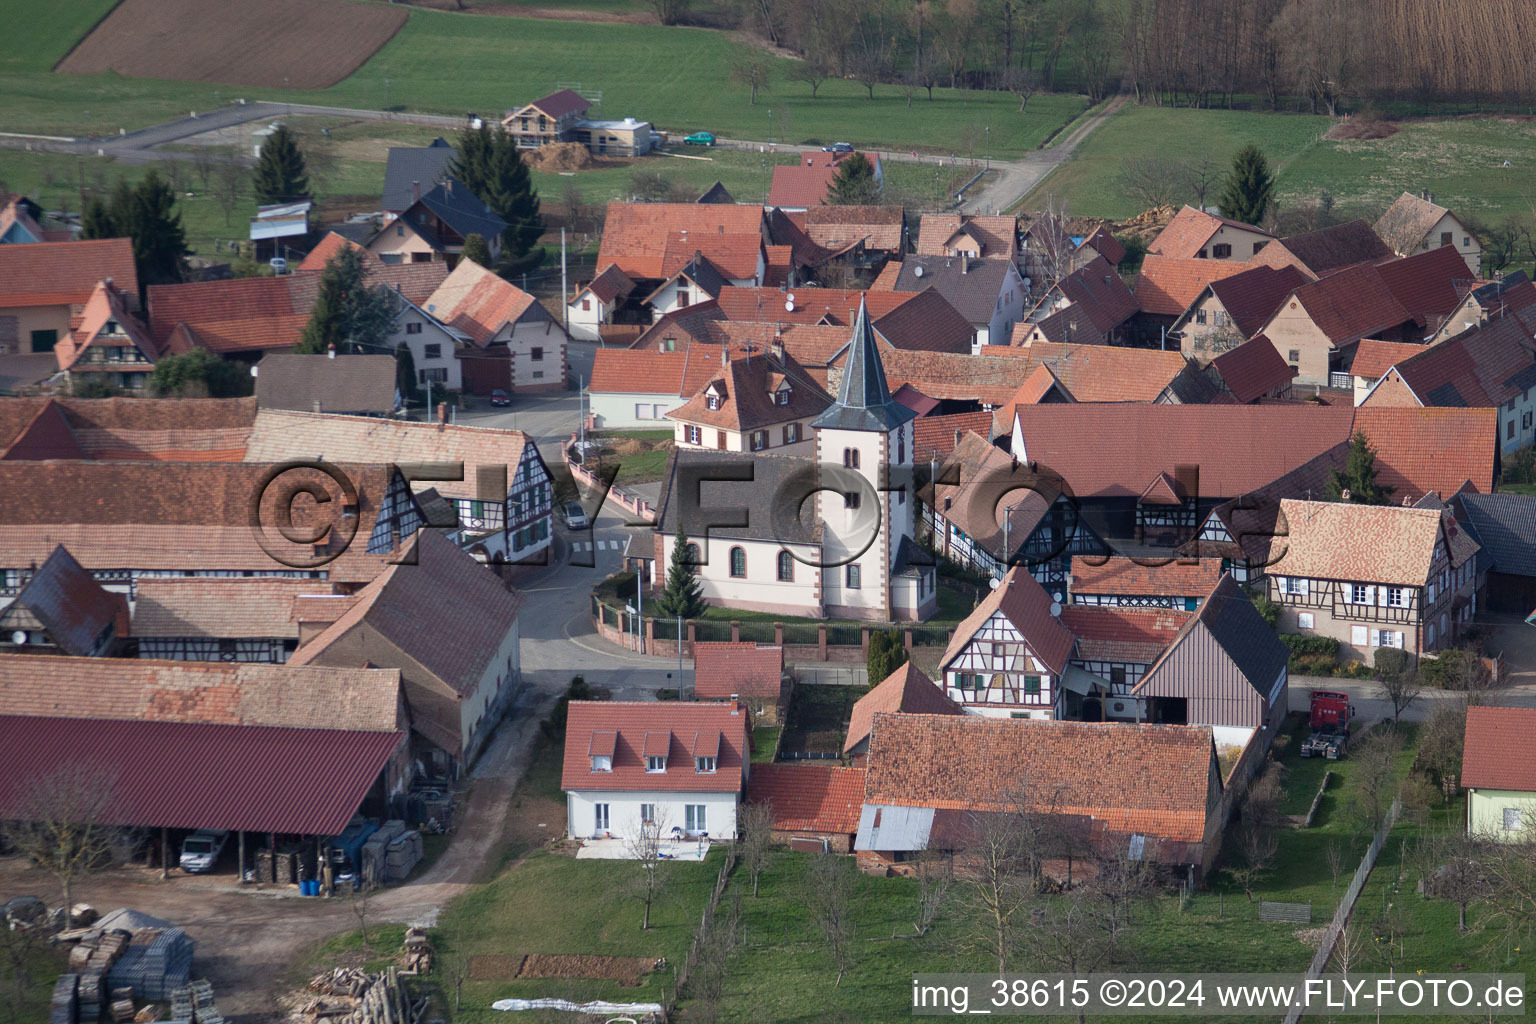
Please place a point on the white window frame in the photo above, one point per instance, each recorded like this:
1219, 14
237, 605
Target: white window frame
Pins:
602, 762
705, 765
1394, 597
656, 764
1293, 586
647, 814
1517, 816
1387, 638
601, 819
695, 818
1361, 593
693, 434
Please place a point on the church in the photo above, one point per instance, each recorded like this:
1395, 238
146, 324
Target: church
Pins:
828, 535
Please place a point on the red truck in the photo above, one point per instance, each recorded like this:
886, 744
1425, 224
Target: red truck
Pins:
1330, 720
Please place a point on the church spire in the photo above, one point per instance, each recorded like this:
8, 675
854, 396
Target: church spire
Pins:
864, 399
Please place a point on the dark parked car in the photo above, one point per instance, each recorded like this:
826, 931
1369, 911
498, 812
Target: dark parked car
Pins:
500, 398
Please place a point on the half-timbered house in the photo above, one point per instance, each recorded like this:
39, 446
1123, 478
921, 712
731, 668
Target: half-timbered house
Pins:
1009, 657
199, 619
1143, 583
63, 610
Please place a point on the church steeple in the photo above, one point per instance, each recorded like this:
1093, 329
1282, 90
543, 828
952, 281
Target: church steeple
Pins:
864, 400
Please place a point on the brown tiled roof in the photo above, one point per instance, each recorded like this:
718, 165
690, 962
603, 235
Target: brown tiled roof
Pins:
679, 325
416, 281
811, 346
436, 609
1497, 749
1098, 373
991, 380
46, 435
62, 273
934, 437
810, 797
926, 322
837, 227
1436, 449
158, 429
1190, 231
743, 387
1407, 221
1374, 358
558, 104
1097, 292
1253, 369
1110, 633
1105, 244
977, 511
317, 383
611, 284
1252, 297
812, 305
1485, 366
905, 691
220, 608
73, 608
1366, 543
680, 727
1150, 779
1120, 575
479, 303
202, 692
176, 515
241, 315
1023, 602
1233, 446
1167, 285
637, 236
995, 236
722, 670
280, 435
1327, 249
1429, 285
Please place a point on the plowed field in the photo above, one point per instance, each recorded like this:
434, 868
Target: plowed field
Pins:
300, 44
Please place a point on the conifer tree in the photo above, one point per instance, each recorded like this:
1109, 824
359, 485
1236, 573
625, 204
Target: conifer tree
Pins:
476, 251
684, 595
280, 175
489, 163
159, 241
855, 184
1250, 187
348, 313
1358, 477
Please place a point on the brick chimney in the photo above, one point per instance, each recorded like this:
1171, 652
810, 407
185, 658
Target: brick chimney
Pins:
415, 191
442, 415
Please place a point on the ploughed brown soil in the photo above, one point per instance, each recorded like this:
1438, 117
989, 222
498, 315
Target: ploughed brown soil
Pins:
522, 11
299, 44
626, 970
1362, 128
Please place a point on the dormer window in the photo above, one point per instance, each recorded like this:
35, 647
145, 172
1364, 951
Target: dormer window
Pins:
112, 328
655, 764
602, 763
711, 402
781, 396
704, 765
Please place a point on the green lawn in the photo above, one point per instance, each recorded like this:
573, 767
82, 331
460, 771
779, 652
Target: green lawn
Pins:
39, 35
764, 739
444, 62
1459, 159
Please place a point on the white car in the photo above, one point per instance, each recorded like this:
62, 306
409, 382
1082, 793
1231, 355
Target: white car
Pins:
575, 516
200, 850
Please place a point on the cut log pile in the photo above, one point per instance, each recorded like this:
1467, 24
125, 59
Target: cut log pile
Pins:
350, 995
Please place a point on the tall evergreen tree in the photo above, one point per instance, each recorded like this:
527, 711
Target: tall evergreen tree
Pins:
490, 165
280, 175
405, 375
1250, 186
476, 251
348, 313
886, 655
855, 184
159, 241
1359, 476
684, 594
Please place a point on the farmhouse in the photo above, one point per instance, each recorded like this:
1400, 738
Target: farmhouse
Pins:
950, 234
44, 285
107, 345
1415, 224
905, 691
1318, 253
989, 293
1128, 582
62, 609
1504, 526
433, 228
231, 619
1090, 306
509, 341
1230, 310
1167, 286
1194, 234
677, 768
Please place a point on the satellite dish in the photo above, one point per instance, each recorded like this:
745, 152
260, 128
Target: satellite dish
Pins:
1056, 597
790, 296
917, 271
1055, 609
789, 304
19, 637
992, 584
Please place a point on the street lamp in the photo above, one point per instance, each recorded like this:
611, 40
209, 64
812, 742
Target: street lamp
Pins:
989, 147
386, 94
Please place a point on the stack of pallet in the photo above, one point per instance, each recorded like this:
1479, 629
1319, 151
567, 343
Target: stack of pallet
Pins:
121, 1005
94, 957
65, 1008
418, 951
373, 857
194, 1002
156, 961
402, 856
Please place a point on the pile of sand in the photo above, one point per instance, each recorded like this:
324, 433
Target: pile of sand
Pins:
1146, 224
559, 156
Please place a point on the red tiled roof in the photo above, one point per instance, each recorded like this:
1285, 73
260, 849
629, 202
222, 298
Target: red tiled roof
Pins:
723, 670
1111, 633
611, 284
994, 236
925, 322
1151, 779
1351, 304
680, 725
1324, 251
46, 436
1097, 373
1167, 285
60, 273
638, 371
906, 691
991, 380
798, 186
246, 314
1374, 358
478, 302
1253, 369
1098, 292
1105, 244
1252, 297
558, 104
837, 227
72, 606
809, 798
742, 391
204, 606
303, 781
1497, 749
812, 305
1232, 446
934, 437
637, 236
1120, 575
332, 245
1485, 366
1430, 285
1190, 231
1435, 449
1023, 602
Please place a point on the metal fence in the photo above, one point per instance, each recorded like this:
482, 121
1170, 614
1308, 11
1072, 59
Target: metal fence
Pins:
1347, 904
801, 633
711, 631
756, 631
832, 675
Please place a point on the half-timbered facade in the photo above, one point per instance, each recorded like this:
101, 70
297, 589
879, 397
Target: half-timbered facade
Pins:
1179, 584
1372, 576
1009, 657
241, 620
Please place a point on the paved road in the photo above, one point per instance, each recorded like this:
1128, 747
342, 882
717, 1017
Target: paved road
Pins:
1021, 177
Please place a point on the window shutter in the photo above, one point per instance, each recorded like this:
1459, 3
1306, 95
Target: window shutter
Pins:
1357, 636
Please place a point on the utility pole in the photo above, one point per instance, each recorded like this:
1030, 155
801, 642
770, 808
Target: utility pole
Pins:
581, 427
565, 300
680, 694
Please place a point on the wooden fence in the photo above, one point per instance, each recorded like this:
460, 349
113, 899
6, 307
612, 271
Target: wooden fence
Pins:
669, 1003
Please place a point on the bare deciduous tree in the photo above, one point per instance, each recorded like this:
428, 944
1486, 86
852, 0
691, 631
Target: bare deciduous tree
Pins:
203, 161
1454, 869
229, 179
1440, 743
1376, 775
1201, 176
756, 824
1152, 181
1070, 934
1256, 842
829, 894
1333, 856
935, 875
1122, 882
358, 900
1003, 855
812, 71
753, 70
717, 941
62, 823
644, 847
19, 947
